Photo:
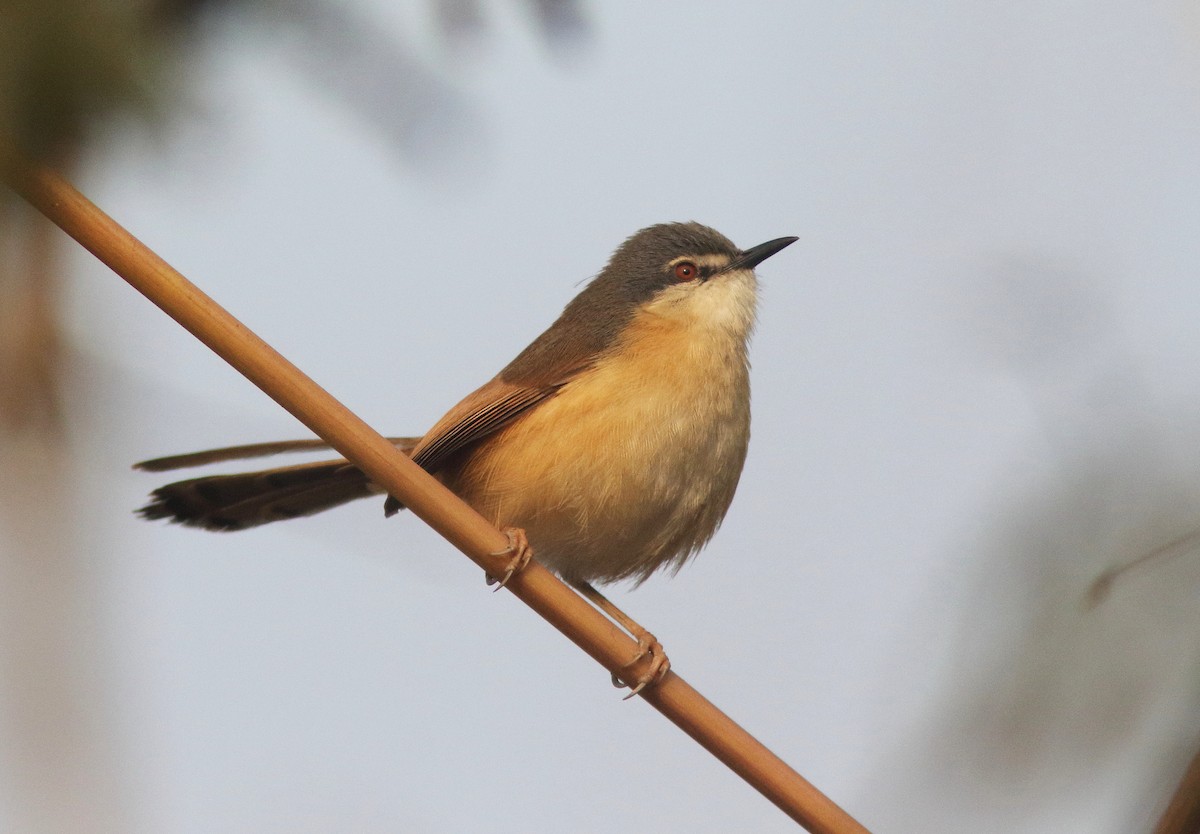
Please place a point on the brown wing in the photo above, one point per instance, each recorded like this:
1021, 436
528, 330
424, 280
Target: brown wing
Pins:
585, 330
483, 412
535, 375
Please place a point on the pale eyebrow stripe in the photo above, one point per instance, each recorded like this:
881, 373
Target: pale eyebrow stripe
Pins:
714, 261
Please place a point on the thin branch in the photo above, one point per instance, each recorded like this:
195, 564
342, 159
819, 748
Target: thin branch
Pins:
424, 496
1183, 812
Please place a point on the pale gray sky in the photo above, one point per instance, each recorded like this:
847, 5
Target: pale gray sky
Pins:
974, 390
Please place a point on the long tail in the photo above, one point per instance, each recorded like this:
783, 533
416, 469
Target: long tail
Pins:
236, 502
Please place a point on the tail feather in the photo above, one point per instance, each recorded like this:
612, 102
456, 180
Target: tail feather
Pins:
251, 450
236, 502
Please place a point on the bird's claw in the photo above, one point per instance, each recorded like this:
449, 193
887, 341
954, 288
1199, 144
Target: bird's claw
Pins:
659, 665
518, 546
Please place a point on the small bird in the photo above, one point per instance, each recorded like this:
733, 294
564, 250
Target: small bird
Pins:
611, 446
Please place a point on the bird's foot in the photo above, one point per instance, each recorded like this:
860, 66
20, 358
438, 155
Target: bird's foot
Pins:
650, 664
518, 546
652, 657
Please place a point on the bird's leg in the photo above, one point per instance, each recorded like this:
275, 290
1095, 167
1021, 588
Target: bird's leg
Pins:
648, 645
518, 546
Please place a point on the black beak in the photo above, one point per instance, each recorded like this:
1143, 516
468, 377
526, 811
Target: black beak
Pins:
755, 255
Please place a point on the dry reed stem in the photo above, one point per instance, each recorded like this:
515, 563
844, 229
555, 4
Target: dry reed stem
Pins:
1183, 811
425, 497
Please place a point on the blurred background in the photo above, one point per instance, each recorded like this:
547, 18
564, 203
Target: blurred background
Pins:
975, 393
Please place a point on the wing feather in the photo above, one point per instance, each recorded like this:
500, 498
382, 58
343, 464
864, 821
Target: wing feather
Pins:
492, 407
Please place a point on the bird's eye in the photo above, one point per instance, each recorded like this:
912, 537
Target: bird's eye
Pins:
686, 271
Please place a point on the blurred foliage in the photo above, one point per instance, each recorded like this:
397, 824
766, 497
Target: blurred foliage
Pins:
64, 64
68, 68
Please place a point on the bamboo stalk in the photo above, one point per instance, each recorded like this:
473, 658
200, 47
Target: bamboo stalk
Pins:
1183, 811
425, 497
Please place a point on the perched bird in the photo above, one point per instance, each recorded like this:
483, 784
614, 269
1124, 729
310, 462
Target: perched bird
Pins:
611, 446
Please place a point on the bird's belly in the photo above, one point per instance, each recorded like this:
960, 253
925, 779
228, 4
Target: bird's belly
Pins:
622, 472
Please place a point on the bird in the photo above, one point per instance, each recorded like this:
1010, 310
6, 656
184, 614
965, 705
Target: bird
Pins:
610, 447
